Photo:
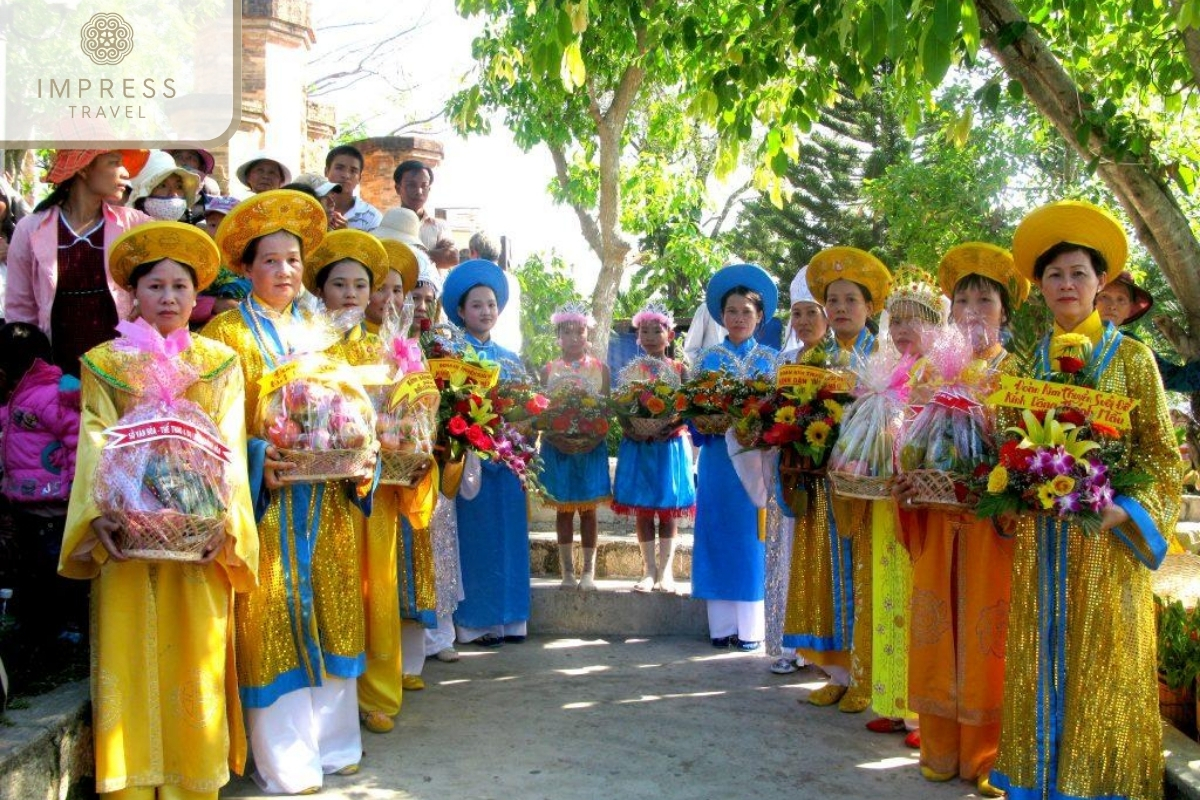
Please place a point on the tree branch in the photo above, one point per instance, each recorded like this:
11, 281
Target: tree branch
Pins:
591, 232
1160, 224
734, 196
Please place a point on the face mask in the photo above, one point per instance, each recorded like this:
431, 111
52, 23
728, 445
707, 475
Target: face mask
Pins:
166, 209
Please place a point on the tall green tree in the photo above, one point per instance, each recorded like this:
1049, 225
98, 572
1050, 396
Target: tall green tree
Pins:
854, 142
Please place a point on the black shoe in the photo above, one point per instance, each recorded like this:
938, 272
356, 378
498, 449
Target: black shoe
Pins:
514, 639
723, 642
745, 647
488, 641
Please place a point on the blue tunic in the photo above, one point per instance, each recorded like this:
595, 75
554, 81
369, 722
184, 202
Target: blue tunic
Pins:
493, 536
728, 559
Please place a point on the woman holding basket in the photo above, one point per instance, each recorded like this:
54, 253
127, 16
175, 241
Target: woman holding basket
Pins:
166, 717
962, 565
301, 634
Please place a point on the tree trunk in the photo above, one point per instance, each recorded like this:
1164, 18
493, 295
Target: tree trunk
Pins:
1160, 224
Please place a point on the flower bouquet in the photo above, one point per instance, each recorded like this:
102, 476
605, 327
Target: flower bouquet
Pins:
576, 419
406, 410
469, 420
945, 443
710, 399
1057, 463
316, 412
862, 462
519, 402
646, 398
163, 471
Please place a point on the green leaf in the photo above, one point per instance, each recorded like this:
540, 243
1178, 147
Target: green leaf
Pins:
970, 27
989, 95
897, 28
564, 28
872, 36
944, 22
1083, 132
935, 59
1016, 90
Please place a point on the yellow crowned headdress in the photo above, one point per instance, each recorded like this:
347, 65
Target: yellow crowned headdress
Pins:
1074, 222
155, 241
267, 213
988, 260
849, 264
346, 244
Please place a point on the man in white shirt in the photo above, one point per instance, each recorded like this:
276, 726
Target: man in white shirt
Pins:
344, 166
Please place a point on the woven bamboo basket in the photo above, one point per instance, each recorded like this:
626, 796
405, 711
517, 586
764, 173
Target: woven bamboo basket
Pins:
712, 424
164, 535
649, 427
575, 444
935, 488
862, 487
327, 465
399, 467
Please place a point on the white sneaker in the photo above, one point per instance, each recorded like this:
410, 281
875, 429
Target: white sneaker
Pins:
645, 584
586, 584
784, 666
448, 654
568, 582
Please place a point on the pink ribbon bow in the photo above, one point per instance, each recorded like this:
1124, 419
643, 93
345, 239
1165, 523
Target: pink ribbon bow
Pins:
144, 337
407, 355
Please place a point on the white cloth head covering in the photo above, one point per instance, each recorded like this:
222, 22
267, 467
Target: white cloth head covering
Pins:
799, 292
426, 271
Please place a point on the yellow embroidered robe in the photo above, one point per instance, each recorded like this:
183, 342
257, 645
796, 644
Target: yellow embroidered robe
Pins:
305, 620
164, 692
1080, 712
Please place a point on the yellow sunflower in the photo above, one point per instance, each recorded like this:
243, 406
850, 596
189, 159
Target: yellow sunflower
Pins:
835, 410
817, 434
1045, 495
786, 415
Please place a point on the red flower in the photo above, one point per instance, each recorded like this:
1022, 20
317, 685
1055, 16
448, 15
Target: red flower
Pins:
426, 324
1105, 431
825, 394
560, 424
457, 426
960, 492
478, 438
537, 404
601, 427
1072, 416
1014, 457
780, 434
982, 470
1070, 365
462, 407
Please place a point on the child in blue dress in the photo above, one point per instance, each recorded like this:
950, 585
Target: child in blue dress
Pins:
575, 482
728, 557
493, 527
654, 475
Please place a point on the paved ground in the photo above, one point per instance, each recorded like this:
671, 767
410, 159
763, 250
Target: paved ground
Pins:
667, 717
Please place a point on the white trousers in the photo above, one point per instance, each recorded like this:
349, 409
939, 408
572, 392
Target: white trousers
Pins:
304, 735
439, 638
745, 620
466, 635
412, 646
839, 676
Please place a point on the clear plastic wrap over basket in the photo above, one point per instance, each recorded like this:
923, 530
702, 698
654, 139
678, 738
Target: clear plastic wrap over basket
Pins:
168, 494
865, 447
323, 422
951, 434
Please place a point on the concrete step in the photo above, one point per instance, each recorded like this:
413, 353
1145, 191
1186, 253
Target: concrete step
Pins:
614, 610
617, 556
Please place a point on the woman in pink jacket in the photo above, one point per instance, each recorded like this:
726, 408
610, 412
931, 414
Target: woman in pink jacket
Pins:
58, 275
